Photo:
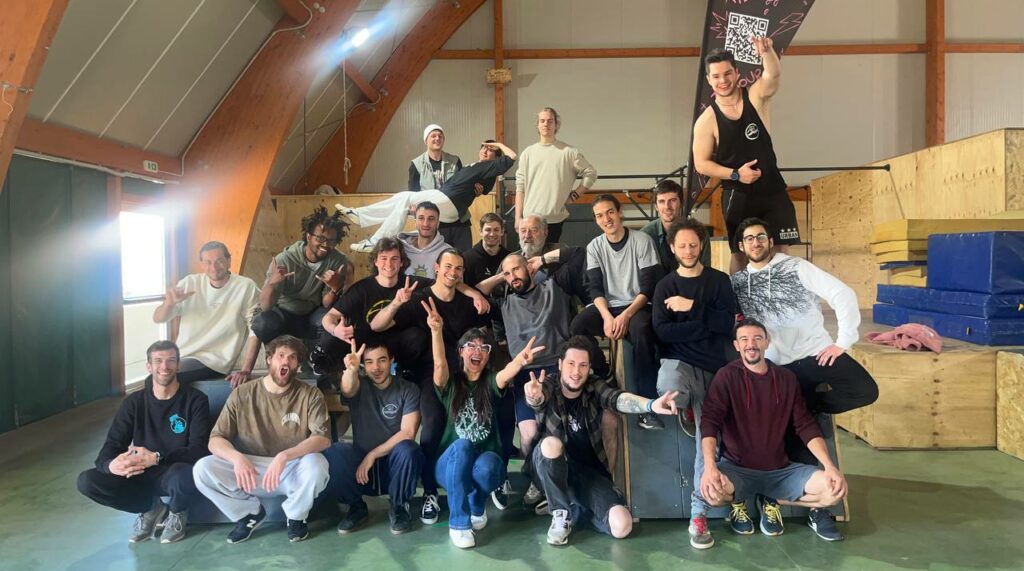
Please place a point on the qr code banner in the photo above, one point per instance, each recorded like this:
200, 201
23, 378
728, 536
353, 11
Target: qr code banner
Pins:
737, 36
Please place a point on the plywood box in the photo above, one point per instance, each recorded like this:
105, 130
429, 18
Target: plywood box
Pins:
899, 245
920, 229
1010, 403
927, 400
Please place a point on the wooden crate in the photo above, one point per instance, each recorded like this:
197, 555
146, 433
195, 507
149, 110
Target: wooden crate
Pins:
927, 400
1010, 403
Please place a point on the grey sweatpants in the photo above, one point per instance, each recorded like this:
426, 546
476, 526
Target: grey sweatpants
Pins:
301, 482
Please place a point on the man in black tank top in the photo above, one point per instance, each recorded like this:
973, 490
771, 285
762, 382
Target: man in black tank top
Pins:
731, 143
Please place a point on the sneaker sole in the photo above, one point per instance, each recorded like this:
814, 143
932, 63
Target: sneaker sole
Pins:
173, 540
738, 532
246, 538
768, 533
133, 540
814, 528
557, 542
702, 546
354, 528
498, 504
426, 521
298, 539
400, 531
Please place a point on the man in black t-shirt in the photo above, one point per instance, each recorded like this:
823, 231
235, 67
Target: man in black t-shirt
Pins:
731, 142
157, 435
484, 259
383, 457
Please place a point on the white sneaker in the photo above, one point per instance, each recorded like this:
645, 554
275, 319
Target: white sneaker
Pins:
561, 527
349, 213
532, 495
462, 538
478, 521
363, 246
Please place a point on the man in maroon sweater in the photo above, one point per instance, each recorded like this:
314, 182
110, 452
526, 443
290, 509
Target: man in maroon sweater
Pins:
748, 408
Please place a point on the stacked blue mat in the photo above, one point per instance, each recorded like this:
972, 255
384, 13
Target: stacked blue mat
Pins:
975, 290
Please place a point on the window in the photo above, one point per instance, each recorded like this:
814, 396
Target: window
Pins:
143, 279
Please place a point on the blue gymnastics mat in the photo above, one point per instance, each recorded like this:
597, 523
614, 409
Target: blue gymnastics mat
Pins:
965, 328
954, 302
982, 262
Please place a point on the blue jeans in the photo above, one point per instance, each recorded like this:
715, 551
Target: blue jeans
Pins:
468, 477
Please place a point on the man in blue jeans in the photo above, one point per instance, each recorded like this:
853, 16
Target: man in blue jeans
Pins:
384, 457
694, 312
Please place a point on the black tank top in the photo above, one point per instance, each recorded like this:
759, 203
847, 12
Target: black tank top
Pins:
744, 140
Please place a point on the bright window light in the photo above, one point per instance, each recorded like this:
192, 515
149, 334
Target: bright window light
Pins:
360, 37
142, 255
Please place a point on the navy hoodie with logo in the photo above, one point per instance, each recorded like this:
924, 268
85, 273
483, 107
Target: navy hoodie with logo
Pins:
177, 428
749, 414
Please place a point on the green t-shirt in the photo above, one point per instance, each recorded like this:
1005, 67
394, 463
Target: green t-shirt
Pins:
483, 433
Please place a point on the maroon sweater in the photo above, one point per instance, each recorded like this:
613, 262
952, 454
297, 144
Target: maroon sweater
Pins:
749, 414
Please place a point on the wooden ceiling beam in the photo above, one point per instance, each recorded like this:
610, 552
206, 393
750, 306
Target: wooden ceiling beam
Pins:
26, 31
228, 165
364, 86
365, 125
599, 53
57, 141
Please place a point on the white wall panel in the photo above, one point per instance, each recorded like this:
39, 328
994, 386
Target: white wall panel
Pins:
983, 92
984, 20
453, 94
864, 21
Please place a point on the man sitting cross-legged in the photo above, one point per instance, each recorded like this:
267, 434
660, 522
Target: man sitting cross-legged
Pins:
749, 407
266, 443
570, 461
384, 457
156, 436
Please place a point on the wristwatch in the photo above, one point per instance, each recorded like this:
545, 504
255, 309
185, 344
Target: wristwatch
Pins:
159, 457
735, 175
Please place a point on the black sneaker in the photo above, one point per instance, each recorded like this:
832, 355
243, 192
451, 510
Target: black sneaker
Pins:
771, 516
354, 518
245, 526
401, 519
824, 524
297, 530
499, 497
431, 509
739, 520
650, 421
687, 422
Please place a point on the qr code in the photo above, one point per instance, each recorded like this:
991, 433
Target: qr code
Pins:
737, 36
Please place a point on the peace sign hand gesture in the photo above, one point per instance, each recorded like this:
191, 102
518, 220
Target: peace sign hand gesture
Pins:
405, 293
434, 320
534, 388
525, 357
354, 358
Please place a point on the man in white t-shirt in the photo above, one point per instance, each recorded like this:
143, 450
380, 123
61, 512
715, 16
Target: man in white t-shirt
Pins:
546, 175
214, 310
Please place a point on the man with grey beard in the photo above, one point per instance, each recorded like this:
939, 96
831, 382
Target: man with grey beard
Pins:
547, 256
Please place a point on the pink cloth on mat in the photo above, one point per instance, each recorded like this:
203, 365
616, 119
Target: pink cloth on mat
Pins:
909, 337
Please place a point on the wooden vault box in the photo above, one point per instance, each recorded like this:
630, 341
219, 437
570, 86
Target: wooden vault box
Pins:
927, 400
1010, 403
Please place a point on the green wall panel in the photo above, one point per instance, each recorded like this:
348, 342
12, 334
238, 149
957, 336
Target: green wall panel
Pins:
6, 382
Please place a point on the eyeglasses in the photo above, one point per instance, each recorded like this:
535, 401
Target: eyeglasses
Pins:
474, 347
762, 237
321, 239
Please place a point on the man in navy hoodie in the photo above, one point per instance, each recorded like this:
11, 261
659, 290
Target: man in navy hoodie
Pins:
750, 405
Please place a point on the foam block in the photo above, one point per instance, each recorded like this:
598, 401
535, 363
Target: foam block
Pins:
983, 262
953, 302
971, 329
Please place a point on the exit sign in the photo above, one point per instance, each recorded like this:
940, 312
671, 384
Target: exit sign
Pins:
150, 166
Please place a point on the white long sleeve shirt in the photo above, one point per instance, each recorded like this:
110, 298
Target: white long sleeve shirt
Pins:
784, 296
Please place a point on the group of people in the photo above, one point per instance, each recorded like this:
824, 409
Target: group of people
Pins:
464, 344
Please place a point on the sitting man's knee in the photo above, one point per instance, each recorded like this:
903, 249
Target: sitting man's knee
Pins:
620, 522
551, 447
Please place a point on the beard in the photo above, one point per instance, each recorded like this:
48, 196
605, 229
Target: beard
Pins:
531, 250
275, 374
690, 266
568, 388
765, 254
524, 287
760, 357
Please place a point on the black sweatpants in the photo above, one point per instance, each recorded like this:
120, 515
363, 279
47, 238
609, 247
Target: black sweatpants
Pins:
640, 335
135, 495
274, 322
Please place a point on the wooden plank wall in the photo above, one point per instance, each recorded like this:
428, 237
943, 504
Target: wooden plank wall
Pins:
977, 177
290, 211
1010, 403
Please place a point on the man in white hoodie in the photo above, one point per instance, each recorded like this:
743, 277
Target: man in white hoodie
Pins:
783, 292
424, 244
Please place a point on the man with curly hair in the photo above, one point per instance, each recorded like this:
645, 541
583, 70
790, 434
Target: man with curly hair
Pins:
304, 280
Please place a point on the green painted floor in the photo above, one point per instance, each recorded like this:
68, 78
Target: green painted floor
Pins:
911, 510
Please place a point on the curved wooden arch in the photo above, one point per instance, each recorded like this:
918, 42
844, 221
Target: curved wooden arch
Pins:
366, 125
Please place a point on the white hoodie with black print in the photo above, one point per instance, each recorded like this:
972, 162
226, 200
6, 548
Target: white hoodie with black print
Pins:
784, 296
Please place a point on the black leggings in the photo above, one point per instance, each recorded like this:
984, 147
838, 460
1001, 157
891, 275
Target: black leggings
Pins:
135, 494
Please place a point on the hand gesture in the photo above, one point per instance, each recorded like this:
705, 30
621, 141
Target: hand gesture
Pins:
573, 196
405, 293
354, 358
749, 174
176, 295
678, 303
245, 474
836, 482
525, 357
332, 279
762, 44
620, 325
434, 320
277, 273
534, 388
236, 378
609, 327
666, 404
344, 331
534, 264
126, 465
363, 471
828, 355
480, 303
713, 485
146, 457
272, 477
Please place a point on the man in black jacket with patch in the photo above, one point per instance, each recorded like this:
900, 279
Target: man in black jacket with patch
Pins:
156, 437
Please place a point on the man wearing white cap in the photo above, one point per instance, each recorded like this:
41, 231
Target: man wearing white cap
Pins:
430, 171
453, 199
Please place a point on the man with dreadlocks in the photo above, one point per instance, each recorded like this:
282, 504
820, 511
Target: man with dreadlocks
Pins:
304, 280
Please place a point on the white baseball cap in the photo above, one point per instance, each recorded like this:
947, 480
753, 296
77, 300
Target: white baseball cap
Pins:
430, 128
